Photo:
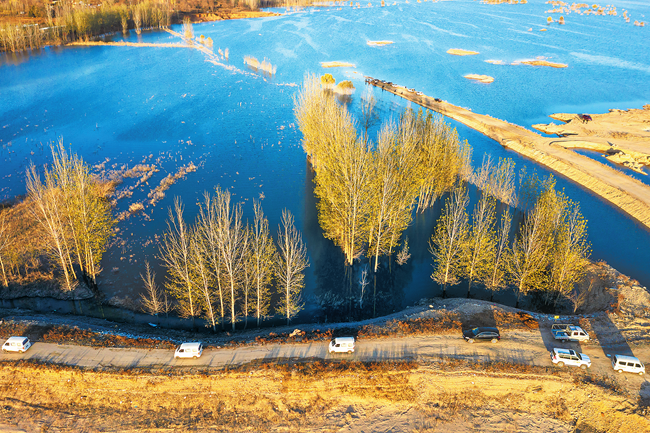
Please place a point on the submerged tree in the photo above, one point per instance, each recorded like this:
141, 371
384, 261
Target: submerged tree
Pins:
263, 254
152, 300
233, 243
482, 238
4, 244
450, 239
290, 267
496, 277
176, 254
531, 248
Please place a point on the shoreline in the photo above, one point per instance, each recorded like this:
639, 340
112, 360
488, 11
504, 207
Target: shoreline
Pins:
626, 193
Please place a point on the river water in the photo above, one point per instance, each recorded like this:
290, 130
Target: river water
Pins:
121, 106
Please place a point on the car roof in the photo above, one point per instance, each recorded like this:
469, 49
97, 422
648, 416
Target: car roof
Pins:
344, 339
627, 358
16, 339
192, 345
564, 351
486, 329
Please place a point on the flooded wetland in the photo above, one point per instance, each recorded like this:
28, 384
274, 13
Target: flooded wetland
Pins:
170, 120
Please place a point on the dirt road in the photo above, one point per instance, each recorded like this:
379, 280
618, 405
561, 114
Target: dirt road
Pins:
524, 347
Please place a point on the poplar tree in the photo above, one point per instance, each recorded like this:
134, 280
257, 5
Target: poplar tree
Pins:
481, 241
496, 277
203, 280
450, 240
534, 242
290, 267
570, 252
263, 255
443, 159
4, 244
48, 210
152, 299
232, 242
176, 254
207, 227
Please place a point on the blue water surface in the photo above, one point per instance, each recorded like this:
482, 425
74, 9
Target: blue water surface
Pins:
121, 106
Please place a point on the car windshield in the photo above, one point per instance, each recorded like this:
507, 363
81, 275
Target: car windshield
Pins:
475, 331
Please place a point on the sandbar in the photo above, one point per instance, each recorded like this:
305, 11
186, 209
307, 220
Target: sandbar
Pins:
496, 62
337, 65
481, 78
541, 63
625, 192
622, 136
378, 43
459, 52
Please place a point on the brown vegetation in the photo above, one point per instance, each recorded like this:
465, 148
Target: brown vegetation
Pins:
315, 396
74, 335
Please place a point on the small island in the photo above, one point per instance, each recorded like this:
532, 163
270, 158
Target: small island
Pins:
460, 52
486, 79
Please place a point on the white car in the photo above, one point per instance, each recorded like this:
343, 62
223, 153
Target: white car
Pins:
562, 357
629, 364
342, 345
16, 344
189, 350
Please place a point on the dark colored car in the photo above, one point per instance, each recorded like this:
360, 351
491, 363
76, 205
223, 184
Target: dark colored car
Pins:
482, 333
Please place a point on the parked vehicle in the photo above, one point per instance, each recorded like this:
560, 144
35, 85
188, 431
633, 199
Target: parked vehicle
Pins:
16, 344
189, 350
564, 332
342, 345
628, 364
562, 357
482, 333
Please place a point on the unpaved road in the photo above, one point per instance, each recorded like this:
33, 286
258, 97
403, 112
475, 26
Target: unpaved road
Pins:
523, 347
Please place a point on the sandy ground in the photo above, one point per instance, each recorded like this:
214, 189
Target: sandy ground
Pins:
461, 52
623, 136
481, 78
621, 190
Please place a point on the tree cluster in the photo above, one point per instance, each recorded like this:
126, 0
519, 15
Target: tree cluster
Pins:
548, 253
223, 267
367, 191
72, 209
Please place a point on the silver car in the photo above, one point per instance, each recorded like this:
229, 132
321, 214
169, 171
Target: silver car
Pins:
562, 357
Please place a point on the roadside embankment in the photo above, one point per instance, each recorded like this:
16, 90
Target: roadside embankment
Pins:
449, 395
617, 188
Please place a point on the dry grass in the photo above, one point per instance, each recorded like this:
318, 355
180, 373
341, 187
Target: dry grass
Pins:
298, 398
68, 335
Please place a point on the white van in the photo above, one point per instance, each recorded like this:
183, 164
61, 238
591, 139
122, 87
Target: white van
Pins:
189, 350
16, 344
629, 364
342, 345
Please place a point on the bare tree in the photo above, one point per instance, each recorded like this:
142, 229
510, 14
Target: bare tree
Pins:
496, 279
203, 280
403, 256
207, 227
263, 255
151, 300
292, 261
482, 238
233, 242
176, 254
48, 211
449, 241
4, 244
